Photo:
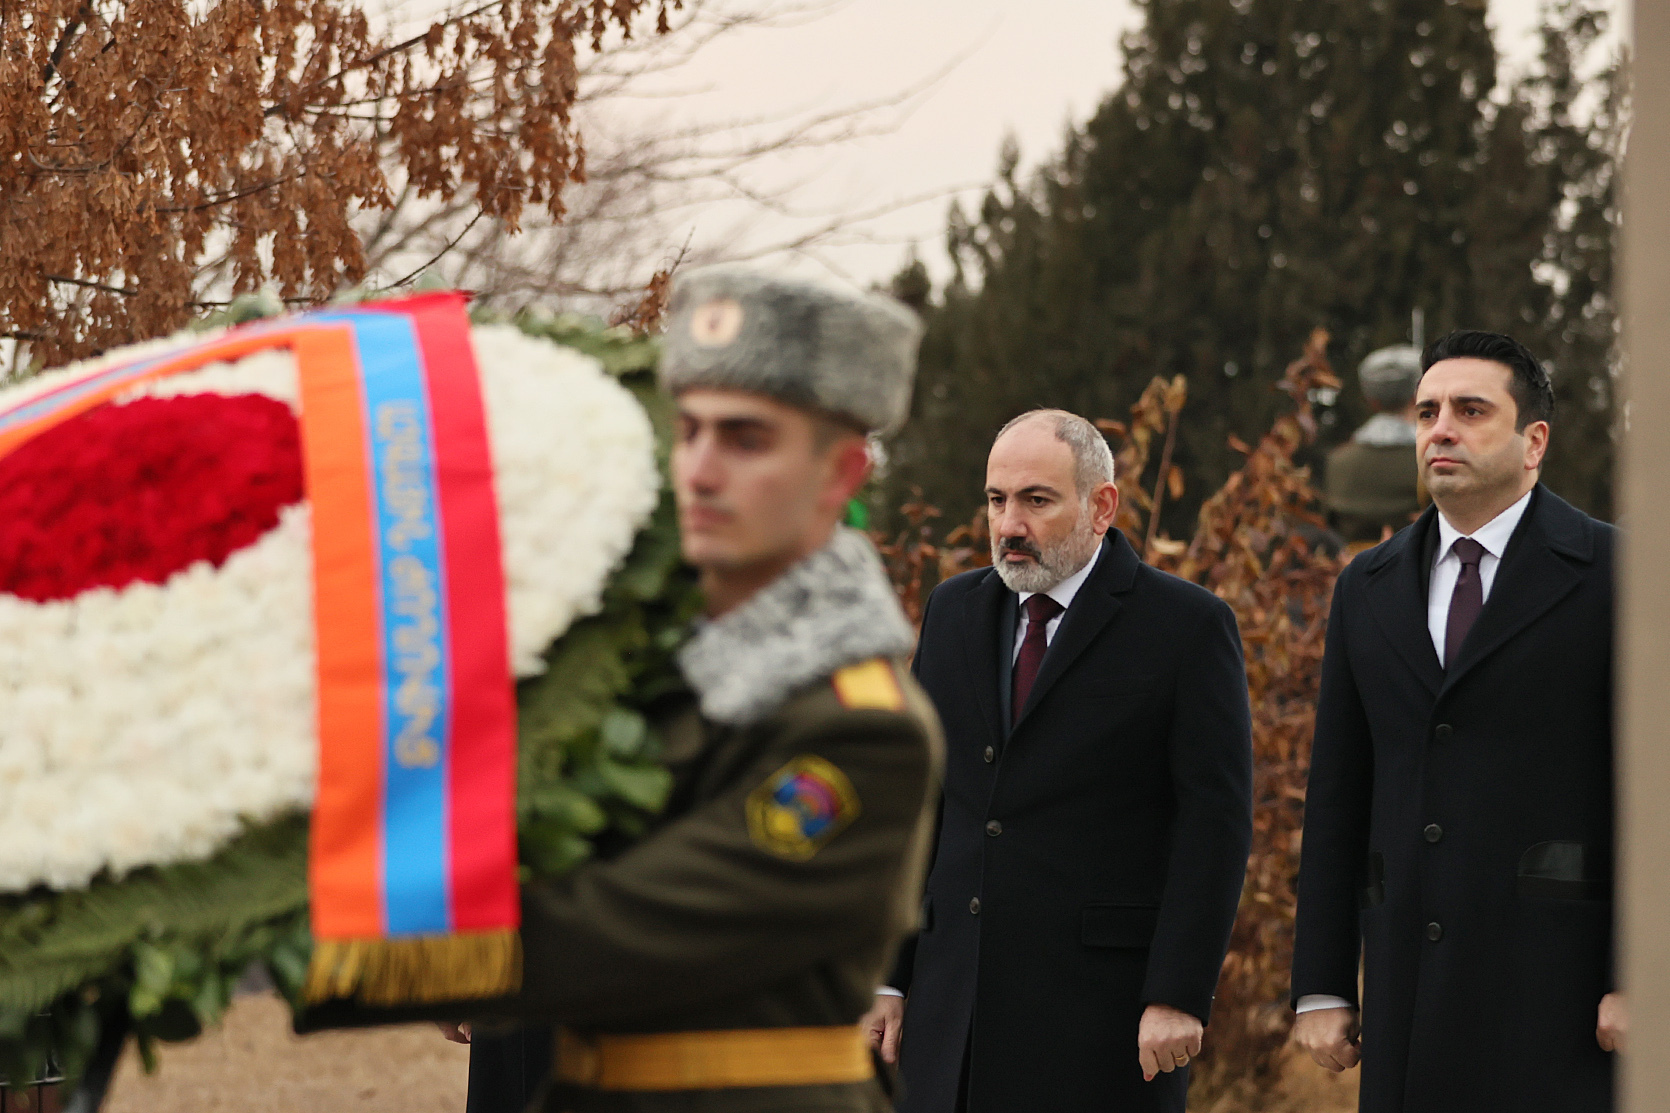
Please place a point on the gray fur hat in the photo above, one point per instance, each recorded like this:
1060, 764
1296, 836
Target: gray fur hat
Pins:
808, 343
1390, 375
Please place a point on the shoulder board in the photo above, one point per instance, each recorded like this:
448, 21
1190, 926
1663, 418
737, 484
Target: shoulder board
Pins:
870, 684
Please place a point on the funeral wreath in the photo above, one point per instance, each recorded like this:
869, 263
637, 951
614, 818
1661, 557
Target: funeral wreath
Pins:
166, 676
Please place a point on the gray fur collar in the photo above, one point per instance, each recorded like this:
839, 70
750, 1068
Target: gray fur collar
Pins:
833, 609
1385, 431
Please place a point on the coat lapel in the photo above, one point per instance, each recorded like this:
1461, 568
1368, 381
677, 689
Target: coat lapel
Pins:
1397, 590
1093, 608
1534, 575
984, 608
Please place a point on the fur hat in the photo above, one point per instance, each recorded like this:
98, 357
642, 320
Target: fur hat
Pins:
808, 343
1390, 375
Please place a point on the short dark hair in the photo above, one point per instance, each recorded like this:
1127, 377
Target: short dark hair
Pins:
1532, 393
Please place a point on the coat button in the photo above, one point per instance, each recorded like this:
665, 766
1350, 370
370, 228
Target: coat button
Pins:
993, 827
1443, 731
1435, 931
991, 755
1433, 832
974, 906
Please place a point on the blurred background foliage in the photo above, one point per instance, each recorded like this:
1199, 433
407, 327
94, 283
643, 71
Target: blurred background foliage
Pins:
1266, 167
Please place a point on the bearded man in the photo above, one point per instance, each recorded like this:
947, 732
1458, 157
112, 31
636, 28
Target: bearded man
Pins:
1096, 816
1459, 820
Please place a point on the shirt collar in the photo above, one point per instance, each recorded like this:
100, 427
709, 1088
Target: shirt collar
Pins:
1493, 535
1064, 591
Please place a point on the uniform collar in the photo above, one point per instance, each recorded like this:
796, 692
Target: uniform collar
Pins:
1385, 431
833, 609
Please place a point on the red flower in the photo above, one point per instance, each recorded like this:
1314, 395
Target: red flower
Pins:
145, 490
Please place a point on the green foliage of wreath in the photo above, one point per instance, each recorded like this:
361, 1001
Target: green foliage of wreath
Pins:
166, 946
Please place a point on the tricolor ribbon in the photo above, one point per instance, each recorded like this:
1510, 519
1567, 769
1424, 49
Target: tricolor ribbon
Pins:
412, 858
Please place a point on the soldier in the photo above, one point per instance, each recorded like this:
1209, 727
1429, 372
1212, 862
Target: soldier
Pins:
723, 961
1372, 479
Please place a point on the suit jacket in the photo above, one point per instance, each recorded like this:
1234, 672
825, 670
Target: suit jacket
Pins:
1089, 861
1459, 824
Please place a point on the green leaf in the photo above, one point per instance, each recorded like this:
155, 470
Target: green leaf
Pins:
153, 968
13, 1023
624, 732
575, 809
211, 997
554, 851
645, 786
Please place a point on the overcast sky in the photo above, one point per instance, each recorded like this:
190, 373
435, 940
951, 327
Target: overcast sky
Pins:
1021, 69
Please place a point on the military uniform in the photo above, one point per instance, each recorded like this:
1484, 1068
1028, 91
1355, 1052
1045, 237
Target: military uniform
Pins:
1373, 480
723, 961
727, 956
1372, 486
787, 867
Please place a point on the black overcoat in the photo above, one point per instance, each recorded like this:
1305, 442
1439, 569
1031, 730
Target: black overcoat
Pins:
1464, 816
1089, 862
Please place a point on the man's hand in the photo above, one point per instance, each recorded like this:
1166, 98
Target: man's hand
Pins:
1167, 1039
457, 1033
883, 1023
1612, 1025
1332, 1036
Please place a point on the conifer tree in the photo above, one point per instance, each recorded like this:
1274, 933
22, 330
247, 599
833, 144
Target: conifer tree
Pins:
1267, 167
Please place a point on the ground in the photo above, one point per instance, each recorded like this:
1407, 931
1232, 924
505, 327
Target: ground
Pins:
254, 1064
1304, 1088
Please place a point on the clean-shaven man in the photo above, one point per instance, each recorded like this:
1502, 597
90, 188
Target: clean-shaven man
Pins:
1097, 808
722, 962
1459, 821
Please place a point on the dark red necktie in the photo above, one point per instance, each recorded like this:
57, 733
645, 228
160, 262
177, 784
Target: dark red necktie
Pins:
1039, 610
1468, 599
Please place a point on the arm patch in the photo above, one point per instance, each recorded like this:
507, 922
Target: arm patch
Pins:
800, 808
871, 684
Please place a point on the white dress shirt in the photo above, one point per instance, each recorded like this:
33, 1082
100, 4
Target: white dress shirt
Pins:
1446, 569
1062, 593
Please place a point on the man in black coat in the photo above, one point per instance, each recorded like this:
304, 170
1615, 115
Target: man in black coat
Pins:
1459, 818
1097, 807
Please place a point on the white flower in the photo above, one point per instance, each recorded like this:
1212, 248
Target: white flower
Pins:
147, 725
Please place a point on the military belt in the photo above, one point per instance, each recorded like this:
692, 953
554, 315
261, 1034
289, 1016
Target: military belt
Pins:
714, 1060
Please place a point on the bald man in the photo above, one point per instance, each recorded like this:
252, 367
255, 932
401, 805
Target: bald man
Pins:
1097, 809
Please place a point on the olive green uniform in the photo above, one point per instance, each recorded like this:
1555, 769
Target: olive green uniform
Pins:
715, 921
720, 919
767, 901
1370, 487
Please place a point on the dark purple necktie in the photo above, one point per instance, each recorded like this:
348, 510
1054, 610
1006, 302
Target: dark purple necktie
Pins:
1039, 610
1468, 599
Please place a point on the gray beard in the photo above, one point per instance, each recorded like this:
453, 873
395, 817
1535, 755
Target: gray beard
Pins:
1056, 563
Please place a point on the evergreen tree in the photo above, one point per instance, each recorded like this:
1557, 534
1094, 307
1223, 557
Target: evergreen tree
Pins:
1266, 167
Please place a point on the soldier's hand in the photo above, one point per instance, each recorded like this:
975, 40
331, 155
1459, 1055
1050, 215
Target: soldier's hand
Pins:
1612, 1025
1332, 1036
883, 1023
457, 1033
1167, 1039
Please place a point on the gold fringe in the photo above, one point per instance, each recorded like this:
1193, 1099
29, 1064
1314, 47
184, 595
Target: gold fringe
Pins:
419, 971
